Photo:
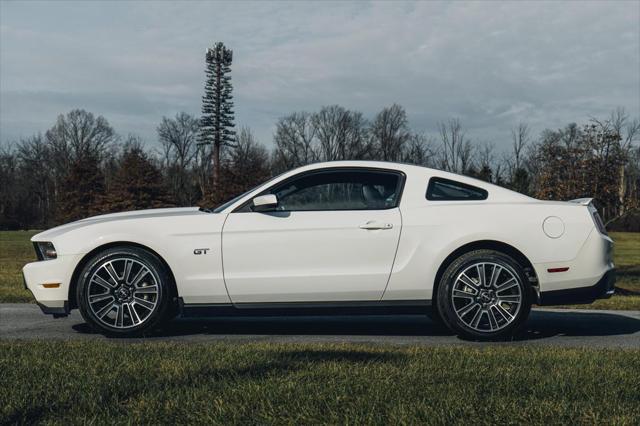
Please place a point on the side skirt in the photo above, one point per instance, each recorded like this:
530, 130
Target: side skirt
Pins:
395, 307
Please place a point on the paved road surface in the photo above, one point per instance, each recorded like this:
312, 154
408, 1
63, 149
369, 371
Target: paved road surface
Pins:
609, 329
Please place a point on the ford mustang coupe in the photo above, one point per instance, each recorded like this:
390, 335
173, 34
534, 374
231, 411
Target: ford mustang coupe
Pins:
336, 238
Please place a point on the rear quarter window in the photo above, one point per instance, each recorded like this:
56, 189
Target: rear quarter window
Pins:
441, 189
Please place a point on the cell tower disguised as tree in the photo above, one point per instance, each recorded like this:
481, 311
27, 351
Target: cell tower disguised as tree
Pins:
216, 125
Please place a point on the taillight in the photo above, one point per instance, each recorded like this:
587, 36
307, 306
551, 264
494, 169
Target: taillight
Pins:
598, 221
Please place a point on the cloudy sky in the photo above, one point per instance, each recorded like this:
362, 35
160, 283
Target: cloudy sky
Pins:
489, 64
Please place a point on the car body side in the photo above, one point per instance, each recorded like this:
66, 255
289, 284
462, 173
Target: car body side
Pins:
191, 242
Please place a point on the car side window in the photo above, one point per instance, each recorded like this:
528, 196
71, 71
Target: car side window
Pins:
441, 189
339, 190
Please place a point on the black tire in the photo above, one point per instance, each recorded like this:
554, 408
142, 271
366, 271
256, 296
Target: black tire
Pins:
137, 297
500, 315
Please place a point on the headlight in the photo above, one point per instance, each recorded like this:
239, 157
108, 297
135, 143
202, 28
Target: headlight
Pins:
45, 250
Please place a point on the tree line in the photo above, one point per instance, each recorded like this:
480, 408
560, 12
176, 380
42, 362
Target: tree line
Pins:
81, 166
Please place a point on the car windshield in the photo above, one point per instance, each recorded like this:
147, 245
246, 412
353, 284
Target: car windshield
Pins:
221, 207
231, 201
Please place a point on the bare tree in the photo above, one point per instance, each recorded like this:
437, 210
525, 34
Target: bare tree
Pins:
628, 132
38, 181
178, 138
390, 132
419, 150
294, 142
341, 134
248, 160
9, 188
456, 148
520, 139
79, 135
76, 138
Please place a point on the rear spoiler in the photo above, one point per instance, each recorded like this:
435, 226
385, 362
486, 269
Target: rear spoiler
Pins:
582, 201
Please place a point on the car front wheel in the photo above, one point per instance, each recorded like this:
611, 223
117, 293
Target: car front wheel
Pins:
124, 291
484, 295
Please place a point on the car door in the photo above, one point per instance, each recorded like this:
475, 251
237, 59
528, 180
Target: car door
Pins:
332, 237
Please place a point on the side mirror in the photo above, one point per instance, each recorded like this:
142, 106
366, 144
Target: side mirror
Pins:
265, 203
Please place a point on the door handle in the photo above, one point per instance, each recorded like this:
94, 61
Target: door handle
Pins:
372, 224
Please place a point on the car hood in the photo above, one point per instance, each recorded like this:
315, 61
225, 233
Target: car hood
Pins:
116, 217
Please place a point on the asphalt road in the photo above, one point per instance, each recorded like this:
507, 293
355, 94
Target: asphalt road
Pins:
575, 328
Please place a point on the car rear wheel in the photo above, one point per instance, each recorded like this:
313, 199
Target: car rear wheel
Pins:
124, 291
484, 295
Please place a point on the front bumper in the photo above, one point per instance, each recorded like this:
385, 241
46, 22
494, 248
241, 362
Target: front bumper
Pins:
603, 289
54, 301
56, 311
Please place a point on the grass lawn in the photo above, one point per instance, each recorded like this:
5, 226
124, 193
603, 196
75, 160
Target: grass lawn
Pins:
16, 250
110, 382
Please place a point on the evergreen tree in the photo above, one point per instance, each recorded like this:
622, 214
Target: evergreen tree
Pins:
137, 184
216, 125
84, 190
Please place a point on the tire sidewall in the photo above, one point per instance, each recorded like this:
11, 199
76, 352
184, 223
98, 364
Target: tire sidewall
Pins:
150, 261
445, 289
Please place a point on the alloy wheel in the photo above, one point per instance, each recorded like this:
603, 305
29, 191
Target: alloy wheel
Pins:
487, 296
123, 292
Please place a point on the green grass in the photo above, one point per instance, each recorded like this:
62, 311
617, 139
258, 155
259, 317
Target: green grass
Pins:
627, 260
16, 250
149, 383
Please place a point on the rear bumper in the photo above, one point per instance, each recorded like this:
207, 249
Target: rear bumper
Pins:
603, 289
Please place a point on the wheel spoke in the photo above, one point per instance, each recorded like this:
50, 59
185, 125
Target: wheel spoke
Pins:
112, 272
95, 298
105, 310
119, 316
481, 274
462, 294
507, 285
144, 303
510, 299
102, 282
468, 281
150, 289
141, 273
127, 270
495, 273
133, 314
505, 314
475, 321
466, 309
493, 323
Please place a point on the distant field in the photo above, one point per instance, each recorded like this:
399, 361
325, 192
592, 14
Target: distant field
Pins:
16, 250
229, 383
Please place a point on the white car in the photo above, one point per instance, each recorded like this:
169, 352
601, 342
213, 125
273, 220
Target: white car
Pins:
338, 237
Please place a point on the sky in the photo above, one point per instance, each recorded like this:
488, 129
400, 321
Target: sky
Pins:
489, 64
